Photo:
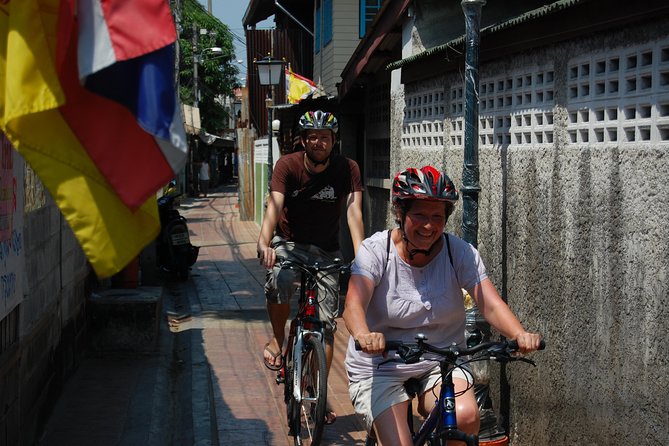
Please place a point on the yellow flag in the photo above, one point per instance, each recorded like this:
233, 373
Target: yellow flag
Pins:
298, 87
30, 96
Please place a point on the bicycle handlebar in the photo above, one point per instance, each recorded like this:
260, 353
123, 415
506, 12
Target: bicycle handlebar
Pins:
312, 269
411, 352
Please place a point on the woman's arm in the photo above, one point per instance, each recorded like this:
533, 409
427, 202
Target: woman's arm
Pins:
360, 290
500, 316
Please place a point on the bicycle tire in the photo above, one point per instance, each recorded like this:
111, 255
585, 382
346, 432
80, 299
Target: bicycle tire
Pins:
311, 410
292, 409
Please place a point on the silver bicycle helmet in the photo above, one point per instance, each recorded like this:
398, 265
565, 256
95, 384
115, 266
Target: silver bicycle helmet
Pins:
318, 120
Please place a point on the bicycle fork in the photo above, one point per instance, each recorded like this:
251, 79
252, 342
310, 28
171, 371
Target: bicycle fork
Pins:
310, 312
297, 361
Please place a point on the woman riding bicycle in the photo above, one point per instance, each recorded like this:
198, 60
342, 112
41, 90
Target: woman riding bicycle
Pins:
408, 281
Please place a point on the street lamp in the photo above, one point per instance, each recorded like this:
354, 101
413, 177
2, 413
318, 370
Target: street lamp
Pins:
269, 73
236, 109
197, 59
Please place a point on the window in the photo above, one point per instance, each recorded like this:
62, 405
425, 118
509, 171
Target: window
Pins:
322, 24
327, 22
317, 28
368, 10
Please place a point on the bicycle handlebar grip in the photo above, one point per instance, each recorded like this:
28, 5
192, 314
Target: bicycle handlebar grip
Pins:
513, 345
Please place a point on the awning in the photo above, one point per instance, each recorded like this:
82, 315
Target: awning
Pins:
222, 142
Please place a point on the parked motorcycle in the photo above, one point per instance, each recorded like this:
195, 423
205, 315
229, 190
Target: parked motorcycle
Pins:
175, 252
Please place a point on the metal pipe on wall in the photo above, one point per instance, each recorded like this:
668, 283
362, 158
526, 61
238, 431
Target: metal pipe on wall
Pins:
470, 173
489, 427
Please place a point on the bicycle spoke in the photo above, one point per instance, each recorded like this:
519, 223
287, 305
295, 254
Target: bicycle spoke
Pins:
314, 393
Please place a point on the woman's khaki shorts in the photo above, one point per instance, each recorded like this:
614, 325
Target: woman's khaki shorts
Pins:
372, 396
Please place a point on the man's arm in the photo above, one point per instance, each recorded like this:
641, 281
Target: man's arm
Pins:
354, 218
265, 252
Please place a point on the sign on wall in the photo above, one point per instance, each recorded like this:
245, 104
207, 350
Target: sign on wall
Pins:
12, 251
260, 151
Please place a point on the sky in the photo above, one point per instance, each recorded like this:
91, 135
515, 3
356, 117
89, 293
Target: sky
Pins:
231, 13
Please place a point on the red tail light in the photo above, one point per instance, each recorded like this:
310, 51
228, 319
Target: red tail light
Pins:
310, 309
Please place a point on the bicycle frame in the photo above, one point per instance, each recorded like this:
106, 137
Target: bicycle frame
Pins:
444, 411
304, 371
306, 323
441, 423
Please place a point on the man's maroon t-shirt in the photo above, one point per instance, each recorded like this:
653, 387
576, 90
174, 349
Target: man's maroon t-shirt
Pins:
313, 203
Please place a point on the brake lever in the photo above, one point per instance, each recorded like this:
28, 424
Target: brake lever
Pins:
387, 361
524, 359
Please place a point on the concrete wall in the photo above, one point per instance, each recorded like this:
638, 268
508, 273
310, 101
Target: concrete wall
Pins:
51, 323
572, 228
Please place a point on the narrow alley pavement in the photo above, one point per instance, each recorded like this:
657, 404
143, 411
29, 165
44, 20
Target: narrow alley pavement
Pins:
207, 384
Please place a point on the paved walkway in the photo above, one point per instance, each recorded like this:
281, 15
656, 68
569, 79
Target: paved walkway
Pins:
206, 384
248, 404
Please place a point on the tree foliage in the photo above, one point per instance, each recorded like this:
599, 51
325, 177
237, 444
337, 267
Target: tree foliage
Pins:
216, 72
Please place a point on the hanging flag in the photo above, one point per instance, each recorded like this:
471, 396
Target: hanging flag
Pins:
142, 144
94, 154
298, 87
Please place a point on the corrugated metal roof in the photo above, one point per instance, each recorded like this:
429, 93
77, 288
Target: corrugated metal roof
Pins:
459, 41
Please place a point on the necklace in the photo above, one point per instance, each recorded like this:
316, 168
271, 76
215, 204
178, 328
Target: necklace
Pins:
313, 171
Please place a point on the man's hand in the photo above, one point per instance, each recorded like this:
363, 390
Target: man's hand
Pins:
267, 255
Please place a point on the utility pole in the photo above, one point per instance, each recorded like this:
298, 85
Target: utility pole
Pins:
195, 106
195, 64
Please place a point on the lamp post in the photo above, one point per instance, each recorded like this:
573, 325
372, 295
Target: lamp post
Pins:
269, 73
489, 428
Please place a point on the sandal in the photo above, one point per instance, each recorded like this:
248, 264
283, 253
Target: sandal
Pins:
272, 366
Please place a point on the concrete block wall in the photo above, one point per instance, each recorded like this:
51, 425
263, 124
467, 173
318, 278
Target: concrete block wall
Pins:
573, 154
51, 325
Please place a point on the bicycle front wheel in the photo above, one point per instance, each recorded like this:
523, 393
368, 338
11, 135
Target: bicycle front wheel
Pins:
314, 386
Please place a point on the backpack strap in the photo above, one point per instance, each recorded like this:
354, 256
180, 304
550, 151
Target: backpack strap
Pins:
390, 231
448, 248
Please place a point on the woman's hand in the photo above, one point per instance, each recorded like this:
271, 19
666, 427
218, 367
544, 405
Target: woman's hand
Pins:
527, 342
372, 343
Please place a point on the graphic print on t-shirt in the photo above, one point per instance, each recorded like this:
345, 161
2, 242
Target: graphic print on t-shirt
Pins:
325, 194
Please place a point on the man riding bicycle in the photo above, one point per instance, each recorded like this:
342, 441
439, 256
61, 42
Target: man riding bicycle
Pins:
307, 191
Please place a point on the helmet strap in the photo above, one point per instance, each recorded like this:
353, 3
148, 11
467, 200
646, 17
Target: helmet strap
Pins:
413, 252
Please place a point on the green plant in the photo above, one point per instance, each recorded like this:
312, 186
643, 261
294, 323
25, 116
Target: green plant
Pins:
216, 73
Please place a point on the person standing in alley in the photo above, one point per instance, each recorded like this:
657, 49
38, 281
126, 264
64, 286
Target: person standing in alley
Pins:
205, 176
308, 192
